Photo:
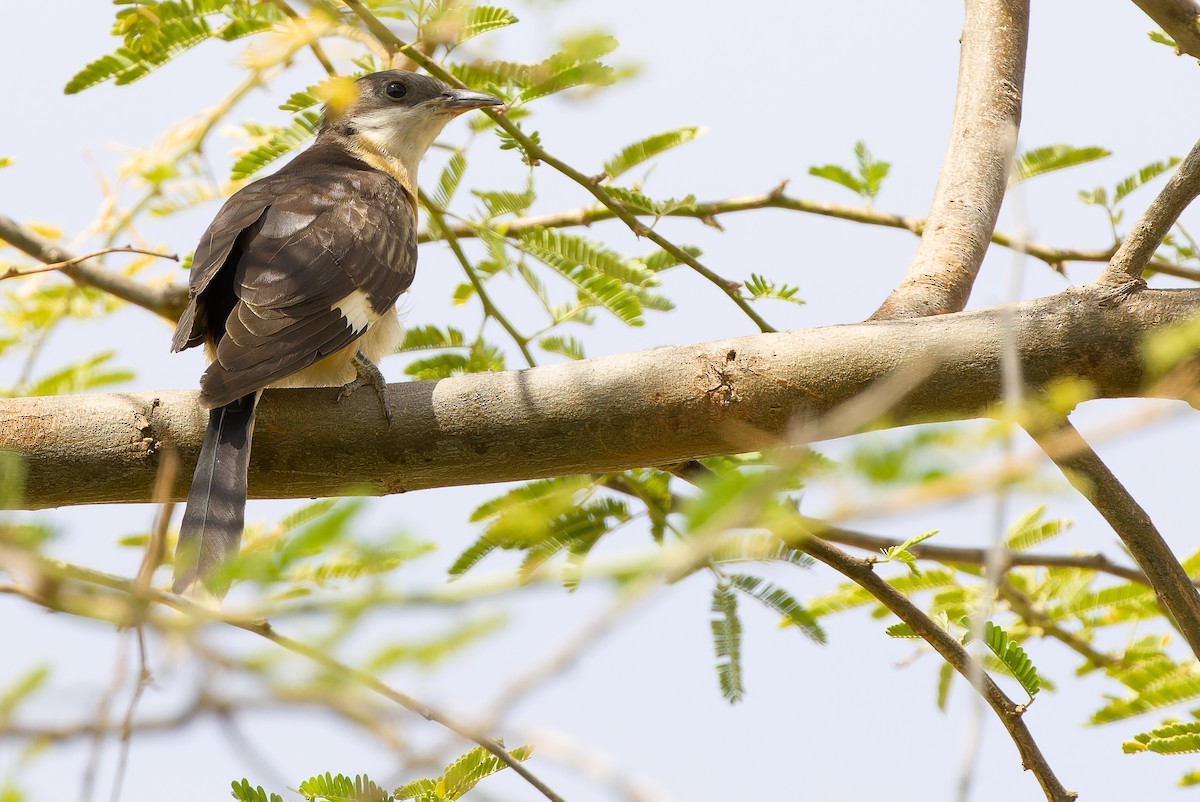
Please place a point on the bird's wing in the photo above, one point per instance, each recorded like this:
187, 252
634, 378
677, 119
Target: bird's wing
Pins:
304, 264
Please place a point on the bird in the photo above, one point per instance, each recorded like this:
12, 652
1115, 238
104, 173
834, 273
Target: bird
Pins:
295, 283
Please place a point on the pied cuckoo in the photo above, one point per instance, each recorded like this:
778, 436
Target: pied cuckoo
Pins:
295, 282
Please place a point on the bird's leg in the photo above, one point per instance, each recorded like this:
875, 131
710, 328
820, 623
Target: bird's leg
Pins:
368, 373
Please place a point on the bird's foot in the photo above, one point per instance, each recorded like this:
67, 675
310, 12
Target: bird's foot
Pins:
368, 373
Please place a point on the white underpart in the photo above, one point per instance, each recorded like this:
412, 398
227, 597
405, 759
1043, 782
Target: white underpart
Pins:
402, 133
357, 310
383, 336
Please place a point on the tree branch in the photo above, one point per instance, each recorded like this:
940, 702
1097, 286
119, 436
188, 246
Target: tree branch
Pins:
1179, 18
862, 573
1131, 258
596, 416
967, 555
167, 302
1091, 477
709, 211
974, 176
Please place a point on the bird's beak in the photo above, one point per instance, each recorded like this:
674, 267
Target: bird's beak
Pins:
460, 100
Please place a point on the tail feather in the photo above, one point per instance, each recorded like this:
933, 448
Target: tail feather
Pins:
211, 532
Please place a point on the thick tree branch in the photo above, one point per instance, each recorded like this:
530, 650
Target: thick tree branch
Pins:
1155, 223
167, 301
974, 176
595, 416
1091, 477
1179, 18
862, 573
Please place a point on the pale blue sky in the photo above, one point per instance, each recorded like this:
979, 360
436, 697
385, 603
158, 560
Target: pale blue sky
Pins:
781, 86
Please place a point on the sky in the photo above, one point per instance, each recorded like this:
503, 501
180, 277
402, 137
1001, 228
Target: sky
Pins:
785, 87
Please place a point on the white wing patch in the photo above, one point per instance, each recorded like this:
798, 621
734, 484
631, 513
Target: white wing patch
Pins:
357, 310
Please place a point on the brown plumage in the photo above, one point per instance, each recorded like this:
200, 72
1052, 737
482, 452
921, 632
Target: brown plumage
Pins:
295, 281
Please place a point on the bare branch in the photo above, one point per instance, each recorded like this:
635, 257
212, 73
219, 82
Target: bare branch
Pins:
167, 301
974, 176
122, 605
595, 416
1091, 477
709, 211
17, 272
862, 573
973, 556
1179, 18
1145, 237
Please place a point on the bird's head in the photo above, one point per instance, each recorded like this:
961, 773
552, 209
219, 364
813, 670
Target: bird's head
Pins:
395, 115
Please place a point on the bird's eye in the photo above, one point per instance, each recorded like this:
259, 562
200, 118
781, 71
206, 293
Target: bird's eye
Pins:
396, 90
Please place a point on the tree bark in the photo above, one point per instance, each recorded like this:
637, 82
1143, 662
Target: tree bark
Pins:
633, 410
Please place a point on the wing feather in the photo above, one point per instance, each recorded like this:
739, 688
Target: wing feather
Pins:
282, 255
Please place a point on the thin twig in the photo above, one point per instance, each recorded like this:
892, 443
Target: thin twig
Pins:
1092, 478
709, 211
489, 308
51, 570
314, 45
1034, 618
1155, 223
536, 153
13, 271
167, 301
861, 573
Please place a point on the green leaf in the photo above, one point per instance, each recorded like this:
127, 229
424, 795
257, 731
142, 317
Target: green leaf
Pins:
761, 287
945, 676
1030, 530
286, 139
1173, 738
78, 377
866, 183
569, 347
871, 171
901, 630
757, 547
1014, 658
20, 689
780, 601
901, 552
243, 792
481, 19
640, 203
421, 789
502, 203
340, 788
1161, 38
632, 155
727, 643
838, 175
1050, 158
1141, 177
429, 652
430, 337
448, 182
602, 277
465, 773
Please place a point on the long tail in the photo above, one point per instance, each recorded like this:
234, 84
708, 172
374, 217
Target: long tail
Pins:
211, 532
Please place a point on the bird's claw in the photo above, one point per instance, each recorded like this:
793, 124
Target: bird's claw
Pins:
368, 374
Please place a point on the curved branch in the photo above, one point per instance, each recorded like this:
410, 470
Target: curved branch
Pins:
1155, 223
1179, 18
1092, 478
596, 416
861, 573
974, 176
